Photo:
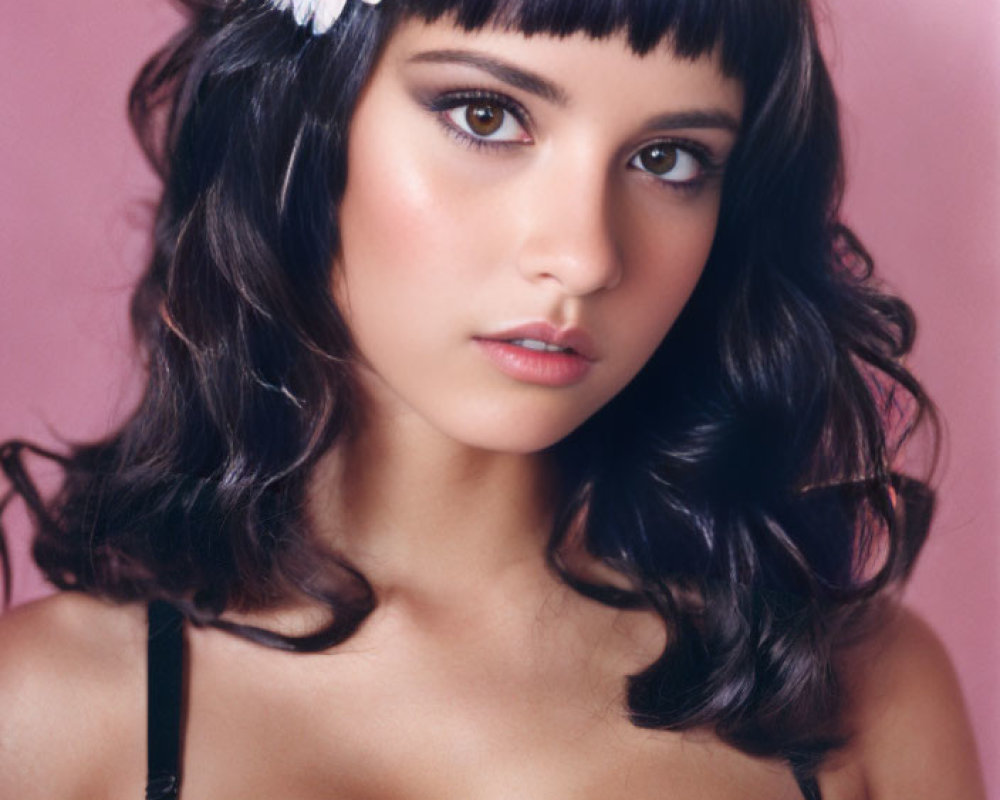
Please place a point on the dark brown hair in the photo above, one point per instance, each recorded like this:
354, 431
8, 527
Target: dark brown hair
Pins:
743, 481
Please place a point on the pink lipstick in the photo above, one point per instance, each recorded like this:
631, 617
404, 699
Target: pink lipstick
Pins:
540, 353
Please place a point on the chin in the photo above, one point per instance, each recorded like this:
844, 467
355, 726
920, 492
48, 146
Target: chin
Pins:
515, 435
516, 444
518, 421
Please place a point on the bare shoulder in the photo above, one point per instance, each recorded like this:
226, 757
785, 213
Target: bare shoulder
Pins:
912, 737
72, 710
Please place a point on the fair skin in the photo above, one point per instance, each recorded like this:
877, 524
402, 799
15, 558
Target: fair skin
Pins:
479, 675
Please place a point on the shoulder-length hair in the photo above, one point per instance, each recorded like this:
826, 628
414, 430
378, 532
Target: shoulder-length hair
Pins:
742, 483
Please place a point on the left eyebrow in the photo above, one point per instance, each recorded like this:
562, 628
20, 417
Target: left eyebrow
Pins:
709, 118
501, 70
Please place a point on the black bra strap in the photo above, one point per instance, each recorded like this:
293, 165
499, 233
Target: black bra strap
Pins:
165, 669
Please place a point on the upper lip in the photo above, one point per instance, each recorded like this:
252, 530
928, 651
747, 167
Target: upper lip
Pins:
575, 339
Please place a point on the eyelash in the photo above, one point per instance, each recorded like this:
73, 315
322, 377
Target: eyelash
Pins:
708, 167
452, 100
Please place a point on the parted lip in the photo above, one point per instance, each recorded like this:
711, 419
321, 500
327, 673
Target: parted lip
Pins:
575, 339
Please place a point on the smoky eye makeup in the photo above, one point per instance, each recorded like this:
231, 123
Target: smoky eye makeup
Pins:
479, 118
487, 120
677, 163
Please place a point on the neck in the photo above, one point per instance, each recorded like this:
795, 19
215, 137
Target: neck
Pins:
414, 509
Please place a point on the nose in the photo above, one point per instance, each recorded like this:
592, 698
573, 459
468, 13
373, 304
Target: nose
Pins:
569, 236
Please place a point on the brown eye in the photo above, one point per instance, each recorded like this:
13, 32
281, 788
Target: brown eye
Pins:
658, 158
485, 121
669, 163
483, 118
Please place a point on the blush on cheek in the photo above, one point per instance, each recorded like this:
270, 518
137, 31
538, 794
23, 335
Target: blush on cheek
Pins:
672, 255
385, 211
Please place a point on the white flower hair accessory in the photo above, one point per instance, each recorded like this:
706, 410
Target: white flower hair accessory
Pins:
322, 13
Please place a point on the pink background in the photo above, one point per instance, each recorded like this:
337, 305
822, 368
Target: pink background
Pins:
920, 83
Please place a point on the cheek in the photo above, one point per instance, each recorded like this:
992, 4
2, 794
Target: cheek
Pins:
665, 258
385, 208
392, 234
410, 212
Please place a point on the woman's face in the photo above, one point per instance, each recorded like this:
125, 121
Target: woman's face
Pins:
524, 218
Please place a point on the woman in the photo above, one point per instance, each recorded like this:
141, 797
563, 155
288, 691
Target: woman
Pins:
509, 361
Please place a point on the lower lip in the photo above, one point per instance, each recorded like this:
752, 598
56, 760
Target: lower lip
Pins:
535, 366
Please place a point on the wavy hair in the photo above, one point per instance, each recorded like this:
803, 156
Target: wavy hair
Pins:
743, 483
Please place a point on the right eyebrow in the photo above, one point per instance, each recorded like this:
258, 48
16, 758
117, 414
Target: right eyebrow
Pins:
513, 76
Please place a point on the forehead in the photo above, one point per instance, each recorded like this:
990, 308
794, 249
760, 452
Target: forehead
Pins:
572, 66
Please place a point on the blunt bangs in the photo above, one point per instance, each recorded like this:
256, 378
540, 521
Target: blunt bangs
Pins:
693, 28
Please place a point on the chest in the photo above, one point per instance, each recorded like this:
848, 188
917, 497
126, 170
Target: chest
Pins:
402, 722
